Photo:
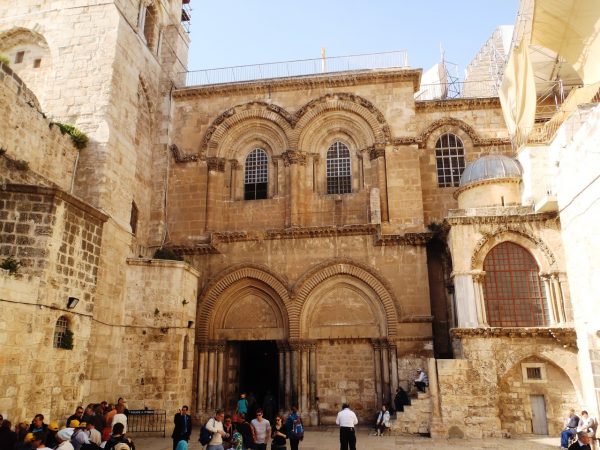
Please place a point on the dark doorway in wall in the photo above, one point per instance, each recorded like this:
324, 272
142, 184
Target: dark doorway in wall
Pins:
439, 267
259, 374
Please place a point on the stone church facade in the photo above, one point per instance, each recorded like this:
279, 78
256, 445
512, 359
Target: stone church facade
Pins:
330, 246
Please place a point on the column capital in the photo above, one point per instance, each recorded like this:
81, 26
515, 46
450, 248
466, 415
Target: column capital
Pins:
291, 157
215, 164
235, 164
376, 151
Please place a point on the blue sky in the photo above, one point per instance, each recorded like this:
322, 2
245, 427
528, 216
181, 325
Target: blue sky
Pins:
239, 32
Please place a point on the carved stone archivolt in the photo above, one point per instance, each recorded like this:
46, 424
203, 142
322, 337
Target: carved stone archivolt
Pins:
510, 233
456, 123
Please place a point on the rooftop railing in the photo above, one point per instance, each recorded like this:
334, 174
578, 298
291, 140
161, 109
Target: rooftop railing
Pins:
457, 89
287, 69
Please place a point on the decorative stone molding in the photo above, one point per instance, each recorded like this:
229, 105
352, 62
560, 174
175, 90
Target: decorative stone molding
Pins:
215, 164
343, 266
318, 81
293, 157
180, 157
474, 184
403, 239
458, 104
478, 255
502, 215
196, 249
468, 129
317, 232
235, 164
416, 319
413, 339
564, 336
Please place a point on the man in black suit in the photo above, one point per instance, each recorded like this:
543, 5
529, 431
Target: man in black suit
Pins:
183, 426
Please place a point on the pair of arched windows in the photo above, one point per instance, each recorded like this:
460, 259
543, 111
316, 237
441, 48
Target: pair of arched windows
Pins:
338, 172
512, 289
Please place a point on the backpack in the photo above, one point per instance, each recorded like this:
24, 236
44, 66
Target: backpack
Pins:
297, 431
205, 435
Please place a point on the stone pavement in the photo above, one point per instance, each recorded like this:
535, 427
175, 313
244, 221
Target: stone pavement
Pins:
326, 438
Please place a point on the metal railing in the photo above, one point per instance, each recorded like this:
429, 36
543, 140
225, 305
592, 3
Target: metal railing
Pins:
457, 89
286, 69
146, 421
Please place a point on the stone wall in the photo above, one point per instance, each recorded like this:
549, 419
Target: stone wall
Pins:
485, 394
346, 374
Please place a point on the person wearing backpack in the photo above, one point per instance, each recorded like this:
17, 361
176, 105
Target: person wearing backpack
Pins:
215, 426
295, 428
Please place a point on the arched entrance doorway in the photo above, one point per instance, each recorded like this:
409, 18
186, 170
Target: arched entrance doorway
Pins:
243, 319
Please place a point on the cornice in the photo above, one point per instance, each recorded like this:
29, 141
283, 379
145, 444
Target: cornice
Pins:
57, 193
403, 239
564, 336
513, 215
196, 249
458, 104
477, 183
416, 319
330, 80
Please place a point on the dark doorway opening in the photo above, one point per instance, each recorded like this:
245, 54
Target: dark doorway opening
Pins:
259, 375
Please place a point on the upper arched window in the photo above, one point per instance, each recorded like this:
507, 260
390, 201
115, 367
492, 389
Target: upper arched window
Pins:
63, 337
449, 160
513, 291
256, 175
339, 180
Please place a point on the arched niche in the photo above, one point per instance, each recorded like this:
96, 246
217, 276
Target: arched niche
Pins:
248, 310
342, 307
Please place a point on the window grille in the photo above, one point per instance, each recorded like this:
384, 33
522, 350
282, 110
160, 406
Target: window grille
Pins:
450, 160
62, 325
513, 291
339, 180
256, 175
534, 373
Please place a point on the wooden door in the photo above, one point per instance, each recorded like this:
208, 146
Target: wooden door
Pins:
539, 422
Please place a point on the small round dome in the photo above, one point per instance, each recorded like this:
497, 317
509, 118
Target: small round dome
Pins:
490, 167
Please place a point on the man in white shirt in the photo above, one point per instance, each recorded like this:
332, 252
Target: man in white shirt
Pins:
421, 381
347, 420
262, 430
215, 426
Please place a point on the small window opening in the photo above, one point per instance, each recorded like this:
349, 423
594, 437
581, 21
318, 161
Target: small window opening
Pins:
19, 57
534, 373
37, 63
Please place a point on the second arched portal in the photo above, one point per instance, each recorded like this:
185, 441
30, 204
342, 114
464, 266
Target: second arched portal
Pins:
327, 345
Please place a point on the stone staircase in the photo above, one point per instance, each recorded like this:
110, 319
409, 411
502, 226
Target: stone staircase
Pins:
416, 418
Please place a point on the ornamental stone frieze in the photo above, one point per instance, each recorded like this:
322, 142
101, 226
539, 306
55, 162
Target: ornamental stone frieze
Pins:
565, 336
291, 157
180, 157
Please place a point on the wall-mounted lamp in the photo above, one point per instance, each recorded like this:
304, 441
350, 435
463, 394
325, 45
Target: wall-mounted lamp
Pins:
190, 323
72, 302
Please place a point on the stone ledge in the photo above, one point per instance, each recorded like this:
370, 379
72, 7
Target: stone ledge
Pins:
150, 262
566, 335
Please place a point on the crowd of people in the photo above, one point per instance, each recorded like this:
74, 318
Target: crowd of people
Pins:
98, 425
239, 431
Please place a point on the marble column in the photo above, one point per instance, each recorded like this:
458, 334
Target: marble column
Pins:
393, 351
220, 351
558, 297
385, 371
377, 363
288, 377
304, 381
550, 299
295, 371
201, 387
312, 377
478, 280
210, 391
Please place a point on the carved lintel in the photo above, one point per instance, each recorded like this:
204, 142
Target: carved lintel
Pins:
180, 157
215, 164
294, 157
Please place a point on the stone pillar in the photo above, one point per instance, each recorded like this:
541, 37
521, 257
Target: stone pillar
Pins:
215, 170
211, 373
393, 368
201, 387
478, 278
374, 206
295, 161
437, 429
294, 355
377, 156
550, 299
558, 297
274, 178
304, 381
288, 377
377, 362
385, 372
281, 392
220, 351
233, 178
312, 377
466, 309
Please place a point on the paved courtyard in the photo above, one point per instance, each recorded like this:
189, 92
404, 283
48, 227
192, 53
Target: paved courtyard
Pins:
327, 439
